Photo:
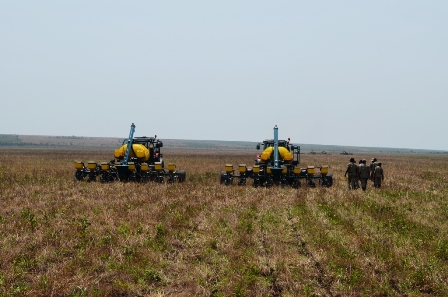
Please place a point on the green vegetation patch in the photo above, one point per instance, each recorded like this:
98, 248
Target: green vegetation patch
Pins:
6, 139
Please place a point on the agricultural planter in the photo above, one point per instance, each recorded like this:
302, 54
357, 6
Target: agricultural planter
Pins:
278, 164
138, 159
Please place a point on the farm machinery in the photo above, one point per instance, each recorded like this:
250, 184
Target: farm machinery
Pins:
138, 159
278, 164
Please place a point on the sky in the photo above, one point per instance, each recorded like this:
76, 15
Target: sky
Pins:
353, 73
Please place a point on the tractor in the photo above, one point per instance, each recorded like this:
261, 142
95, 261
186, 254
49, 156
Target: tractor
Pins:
278, 164
138, 159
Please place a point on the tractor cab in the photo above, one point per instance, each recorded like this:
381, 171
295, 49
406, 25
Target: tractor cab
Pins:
152, 144
284, 148
270, 142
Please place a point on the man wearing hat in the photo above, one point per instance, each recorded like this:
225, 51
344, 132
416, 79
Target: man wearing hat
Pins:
352, 171
378, 176
364, 174
373, 164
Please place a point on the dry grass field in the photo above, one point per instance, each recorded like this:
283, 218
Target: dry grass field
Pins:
59, 237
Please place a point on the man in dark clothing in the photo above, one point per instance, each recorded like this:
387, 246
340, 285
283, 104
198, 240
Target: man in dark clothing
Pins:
373, 164
357, 176
378, 176
352, 171
364, 174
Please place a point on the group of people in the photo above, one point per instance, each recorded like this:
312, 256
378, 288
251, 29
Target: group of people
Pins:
362, 172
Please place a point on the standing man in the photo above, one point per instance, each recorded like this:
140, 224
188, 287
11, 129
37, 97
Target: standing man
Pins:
373, 164
364, 174
357, 176
378, 176
352, 171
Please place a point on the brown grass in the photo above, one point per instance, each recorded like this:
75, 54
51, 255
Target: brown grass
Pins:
59, 237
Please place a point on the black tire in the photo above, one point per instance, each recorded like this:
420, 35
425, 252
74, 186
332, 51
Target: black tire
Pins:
296, 184
79, 175
329, 180
182, 176
223, 177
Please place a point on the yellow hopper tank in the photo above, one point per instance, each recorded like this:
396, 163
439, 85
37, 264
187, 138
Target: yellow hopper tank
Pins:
138, 151
284, 154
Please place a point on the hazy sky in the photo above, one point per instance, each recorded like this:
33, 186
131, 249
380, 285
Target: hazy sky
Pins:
361, 73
